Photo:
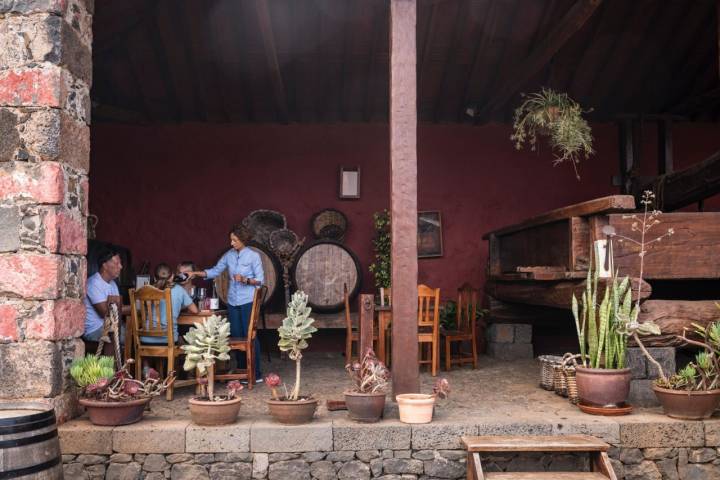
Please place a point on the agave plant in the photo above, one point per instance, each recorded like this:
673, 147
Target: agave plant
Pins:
91, 369
207, 342
297, 328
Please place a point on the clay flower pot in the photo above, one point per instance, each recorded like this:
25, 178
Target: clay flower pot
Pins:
365, 407
415, 407
115, 413
205, 412
292, 412
687, 405
602, 387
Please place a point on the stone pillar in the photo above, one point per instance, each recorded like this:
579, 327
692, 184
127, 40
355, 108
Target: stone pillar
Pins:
645, 373
45, 78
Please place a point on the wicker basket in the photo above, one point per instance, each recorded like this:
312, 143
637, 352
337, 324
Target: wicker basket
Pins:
284, 243
329, 224
568, 365
547, 373
559, 381
262, 223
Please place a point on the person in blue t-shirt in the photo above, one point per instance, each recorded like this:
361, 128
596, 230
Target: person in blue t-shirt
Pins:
180, 300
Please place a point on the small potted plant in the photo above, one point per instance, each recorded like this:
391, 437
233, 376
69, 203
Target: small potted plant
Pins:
382, 243
418, 407
115, 398
297, 328
207, 343
366, 400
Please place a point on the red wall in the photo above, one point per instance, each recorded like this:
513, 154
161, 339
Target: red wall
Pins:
170, 193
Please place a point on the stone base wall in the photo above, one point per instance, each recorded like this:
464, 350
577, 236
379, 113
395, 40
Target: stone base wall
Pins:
509, 341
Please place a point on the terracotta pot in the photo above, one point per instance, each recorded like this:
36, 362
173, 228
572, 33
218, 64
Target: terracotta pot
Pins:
292, 412
602, 387
687, 405
115, 413
205, 412
415, 407
365, 407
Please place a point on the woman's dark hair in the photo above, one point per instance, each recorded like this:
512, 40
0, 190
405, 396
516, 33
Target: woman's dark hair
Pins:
242, 233
163, 276
105, 256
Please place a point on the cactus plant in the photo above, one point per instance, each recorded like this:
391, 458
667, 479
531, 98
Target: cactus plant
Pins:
297, 328
207, 343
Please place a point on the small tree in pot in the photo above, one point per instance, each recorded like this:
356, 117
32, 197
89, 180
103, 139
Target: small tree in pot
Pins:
207, 343
366, 400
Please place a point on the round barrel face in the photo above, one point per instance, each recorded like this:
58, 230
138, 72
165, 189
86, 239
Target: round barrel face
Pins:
29, 446
269, 270
321, 271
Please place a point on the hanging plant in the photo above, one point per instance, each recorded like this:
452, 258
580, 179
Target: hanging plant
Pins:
558, 117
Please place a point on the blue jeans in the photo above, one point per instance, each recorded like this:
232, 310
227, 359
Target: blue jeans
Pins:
239, 318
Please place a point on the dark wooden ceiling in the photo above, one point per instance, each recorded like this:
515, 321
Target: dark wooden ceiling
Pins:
327, 60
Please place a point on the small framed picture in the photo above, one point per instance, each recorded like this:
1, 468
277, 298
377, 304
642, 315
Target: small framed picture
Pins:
350, 182
429, 235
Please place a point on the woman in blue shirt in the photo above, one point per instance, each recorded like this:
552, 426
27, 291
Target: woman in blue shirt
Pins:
245, 271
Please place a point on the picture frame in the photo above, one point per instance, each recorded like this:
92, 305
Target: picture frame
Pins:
429, 234
349, 183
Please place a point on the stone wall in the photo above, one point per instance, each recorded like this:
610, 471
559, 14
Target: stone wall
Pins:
45, 79
509, 341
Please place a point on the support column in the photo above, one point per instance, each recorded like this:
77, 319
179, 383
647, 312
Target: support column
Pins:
45, 51
403, 194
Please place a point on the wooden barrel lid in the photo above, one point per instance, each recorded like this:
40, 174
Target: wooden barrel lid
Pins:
271, 270
321, 270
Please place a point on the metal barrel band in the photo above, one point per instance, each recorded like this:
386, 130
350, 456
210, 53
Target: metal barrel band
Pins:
28, 440
21, 472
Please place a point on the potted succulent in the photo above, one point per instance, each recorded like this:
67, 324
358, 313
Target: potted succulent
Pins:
113, 397
418, 407
207, 342
297, 328
366, 400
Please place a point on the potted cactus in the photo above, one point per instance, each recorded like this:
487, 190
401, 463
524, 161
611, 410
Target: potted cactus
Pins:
366, 400
418, 407
112, 397
297, 328
207, 343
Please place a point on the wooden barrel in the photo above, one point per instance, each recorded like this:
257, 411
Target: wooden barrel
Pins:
29, 446
321, 269
271, 270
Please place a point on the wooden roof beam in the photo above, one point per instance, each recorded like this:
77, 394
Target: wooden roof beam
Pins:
570, 24
263, 15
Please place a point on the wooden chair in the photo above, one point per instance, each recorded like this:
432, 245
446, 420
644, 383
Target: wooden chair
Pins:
466, 328
352, 335
247, 344
429, 325
146, 323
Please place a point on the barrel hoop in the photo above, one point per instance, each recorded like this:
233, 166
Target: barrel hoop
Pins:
19, 442
28, 418
19, 472
25, 427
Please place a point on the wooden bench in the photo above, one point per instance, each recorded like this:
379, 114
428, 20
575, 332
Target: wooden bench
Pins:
599, 461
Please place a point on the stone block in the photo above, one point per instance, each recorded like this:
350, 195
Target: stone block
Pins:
510, 351
222, 438
636, 362
389, 434
9, 229
501, 333
32, 87
700, 472
290, 469
55, 320
519, 427
440, 435
260, 465
402, 465
188, 471
9, 323
82, 437
151, 435
444, 468
665, 356
641, 394
523, 333
123, 471
323, 470
230, 470
652, 431
34, 366
267, 436
600, 427
24, 182
712, 432
31, 276
646, 470
63, 231
354, 470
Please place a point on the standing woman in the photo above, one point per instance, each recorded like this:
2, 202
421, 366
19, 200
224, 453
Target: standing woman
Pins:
245, 271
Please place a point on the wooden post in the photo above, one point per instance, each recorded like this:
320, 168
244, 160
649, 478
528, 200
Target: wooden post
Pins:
366, 312
403, 194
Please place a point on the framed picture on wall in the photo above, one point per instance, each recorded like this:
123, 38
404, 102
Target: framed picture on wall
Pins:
349, 182
429, 235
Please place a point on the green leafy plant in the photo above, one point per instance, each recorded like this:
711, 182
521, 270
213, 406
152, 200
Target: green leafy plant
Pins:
297, 328
98, 380
448, 314
382, 243
558, 117
704, 373
90, 369
206, 343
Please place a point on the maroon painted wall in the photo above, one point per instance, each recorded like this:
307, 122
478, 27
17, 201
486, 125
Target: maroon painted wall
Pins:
171, 192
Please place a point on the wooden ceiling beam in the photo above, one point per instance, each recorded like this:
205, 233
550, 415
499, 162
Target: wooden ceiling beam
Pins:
704, 101
589, 65
460, 17
263, 15
570, 24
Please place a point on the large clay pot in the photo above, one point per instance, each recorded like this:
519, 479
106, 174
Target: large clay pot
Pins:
603, 387
365, 407
687, 405
115, 413
292, 412
205, 412
415, 407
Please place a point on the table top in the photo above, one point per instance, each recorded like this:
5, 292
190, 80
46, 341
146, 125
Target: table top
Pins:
187, 318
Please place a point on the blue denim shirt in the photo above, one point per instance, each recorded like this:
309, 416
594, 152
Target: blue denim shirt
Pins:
247, 263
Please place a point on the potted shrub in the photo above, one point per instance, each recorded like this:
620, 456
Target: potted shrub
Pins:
380, 268
115, 398
366, 400
297, 328
418, 407
207, 343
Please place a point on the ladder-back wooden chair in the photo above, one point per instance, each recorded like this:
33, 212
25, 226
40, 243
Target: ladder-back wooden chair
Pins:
466, 328
352, 335
146, 323
247, 344
429, 326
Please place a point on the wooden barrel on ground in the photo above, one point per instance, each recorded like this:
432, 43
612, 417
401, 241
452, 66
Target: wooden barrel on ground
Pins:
29, 446
271, 269
321, 269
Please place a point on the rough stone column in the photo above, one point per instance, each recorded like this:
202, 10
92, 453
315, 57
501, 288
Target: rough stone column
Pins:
45, 78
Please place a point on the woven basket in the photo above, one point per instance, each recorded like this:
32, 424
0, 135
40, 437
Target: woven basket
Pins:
329, 224
568, 365
262, 223
284, 243
559, 381
547, 373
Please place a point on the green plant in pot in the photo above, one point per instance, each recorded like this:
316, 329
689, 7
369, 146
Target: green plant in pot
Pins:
207, 343
114, 397
366, 400
382, 243
297, 328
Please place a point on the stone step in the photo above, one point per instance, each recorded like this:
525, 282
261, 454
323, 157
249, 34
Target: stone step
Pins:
545, 476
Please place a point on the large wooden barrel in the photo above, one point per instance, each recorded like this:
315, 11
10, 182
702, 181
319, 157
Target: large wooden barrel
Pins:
271, 270
321, 269
29, 447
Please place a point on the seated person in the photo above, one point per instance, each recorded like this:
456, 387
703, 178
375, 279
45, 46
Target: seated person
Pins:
101, 292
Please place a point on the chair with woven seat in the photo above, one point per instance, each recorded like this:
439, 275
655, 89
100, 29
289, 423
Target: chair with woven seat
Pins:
352, 335
466, 330
429, 326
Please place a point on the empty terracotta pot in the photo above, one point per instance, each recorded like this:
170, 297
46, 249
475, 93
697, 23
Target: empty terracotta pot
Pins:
204, 412
687, 405
603, 387
415, 407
